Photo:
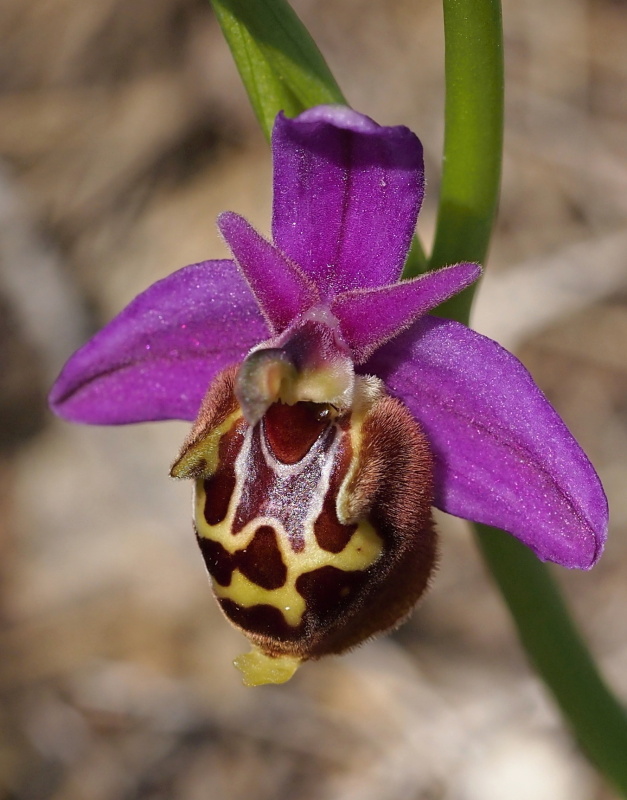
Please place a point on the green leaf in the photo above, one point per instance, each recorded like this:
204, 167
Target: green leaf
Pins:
280, 64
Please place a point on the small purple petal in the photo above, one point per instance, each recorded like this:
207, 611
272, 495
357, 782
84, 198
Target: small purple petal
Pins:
282, 290
503, 455
346, 196
371, 317
155, 359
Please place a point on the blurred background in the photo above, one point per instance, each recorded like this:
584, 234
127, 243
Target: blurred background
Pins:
123, 132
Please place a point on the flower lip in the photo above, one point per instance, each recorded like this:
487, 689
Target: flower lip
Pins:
291, 430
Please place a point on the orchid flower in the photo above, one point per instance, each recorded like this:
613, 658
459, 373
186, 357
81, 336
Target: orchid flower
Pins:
331, 410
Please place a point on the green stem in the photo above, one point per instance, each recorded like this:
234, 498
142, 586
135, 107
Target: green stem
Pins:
559, 653
468, 202
473, 138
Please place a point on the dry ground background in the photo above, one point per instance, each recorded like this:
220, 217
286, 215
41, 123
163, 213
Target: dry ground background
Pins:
123, 132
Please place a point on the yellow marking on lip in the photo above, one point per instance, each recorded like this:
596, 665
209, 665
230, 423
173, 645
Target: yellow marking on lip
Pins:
207, 450
361, 551
245, 593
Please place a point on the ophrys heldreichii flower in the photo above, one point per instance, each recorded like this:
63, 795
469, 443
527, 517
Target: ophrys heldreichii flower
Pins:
331, 410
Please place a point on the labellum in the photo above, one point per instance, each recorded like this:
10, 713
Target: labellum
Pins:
313, 492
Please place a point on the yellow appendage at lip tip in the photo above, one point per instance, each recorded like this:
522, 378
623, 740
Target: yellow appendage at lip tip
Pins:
258, 668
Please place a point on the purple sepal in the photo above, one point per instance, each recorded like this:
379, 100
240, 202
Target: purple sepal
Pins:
503, 455
282, 290
371, 317
155, 359
346, 196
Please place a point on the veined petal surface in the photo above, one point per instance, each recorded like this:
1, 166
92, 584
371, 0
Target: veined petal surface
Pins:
371, 317
503, 455
282, 290
346, 196
155, 359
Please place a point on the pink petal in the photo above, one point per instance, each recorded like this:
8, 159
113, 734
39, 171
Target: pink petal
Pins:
371, 317
281, 289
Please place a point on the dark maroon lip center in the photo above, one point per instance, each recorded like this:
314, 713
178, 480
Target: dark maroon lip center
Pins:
291, 430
